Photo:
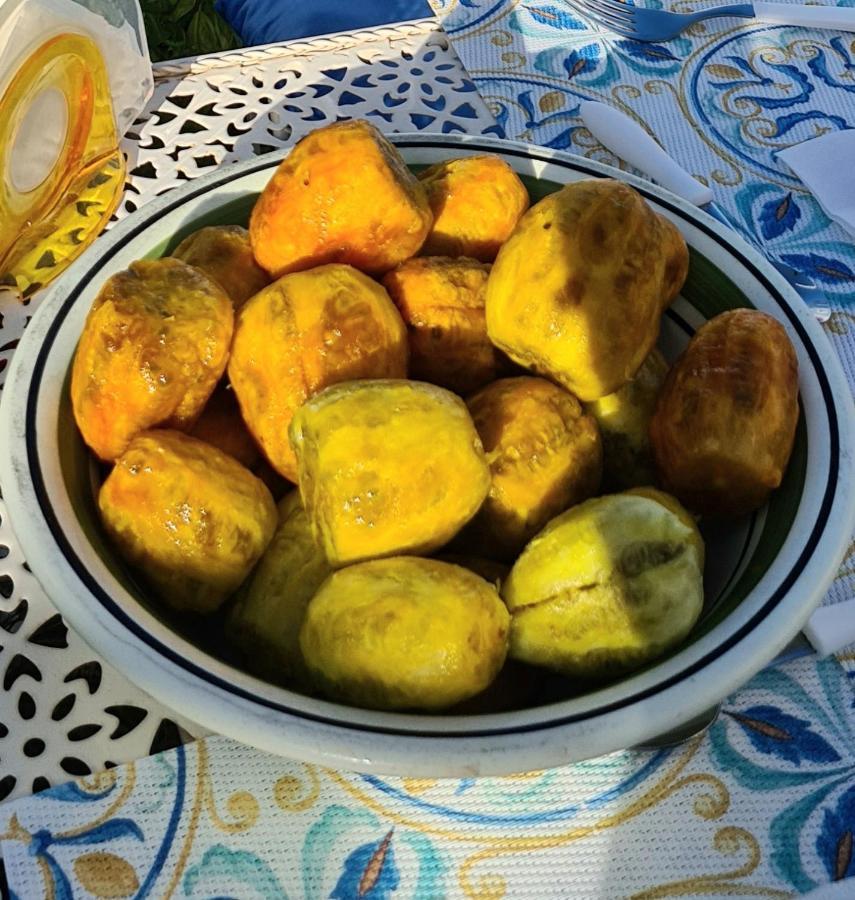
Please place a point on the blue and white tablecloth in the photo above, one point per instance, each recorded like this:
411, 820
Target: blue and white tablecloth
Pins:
763, 806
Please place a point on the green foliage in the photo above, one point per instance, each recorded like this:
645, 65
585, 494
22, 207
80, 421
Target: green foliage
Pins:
176, 28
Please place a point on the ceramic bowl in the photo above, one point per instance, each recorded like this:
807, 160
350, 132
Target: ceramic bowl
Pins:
765, 574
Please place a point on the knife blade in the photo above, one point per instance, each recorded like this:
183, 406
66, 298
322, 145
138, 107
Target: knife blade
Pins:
628, 140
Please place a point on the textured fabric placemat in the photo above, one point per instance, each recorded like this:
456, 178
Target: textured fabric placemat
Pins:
722, 99
762, 806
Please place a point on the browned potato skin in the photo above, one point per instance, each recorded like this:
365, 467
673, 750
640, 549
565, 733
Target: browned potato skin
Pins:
221, 425
577, 291
441, 301
544, 453
304, 332
190, 518
476, 202
344, 195
153, 348
223, 252
726, 419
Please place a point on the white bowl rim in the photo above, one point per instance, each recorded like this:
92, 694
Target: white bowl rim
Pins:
387, 742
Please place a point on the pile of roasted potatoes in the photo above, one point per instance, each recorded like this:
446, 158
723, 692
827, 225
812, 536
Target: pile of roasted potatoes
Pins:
492, 458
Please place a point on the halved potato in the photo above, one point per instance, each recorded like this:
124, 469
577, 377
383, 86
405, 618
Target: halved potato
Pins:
606, 587
404, 633
387, 467
343, 195
221, 425
476, 202
302, 333
191, 519
153, 348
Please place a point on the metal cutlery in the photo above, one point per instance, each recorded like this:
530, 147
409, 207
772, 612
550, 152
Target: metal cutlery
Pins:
642, 24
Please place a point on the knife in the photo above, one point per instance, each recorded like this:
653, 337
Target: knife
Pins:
628, 140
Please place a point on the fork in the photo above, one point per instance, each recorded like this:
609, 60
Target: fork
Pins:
643, 24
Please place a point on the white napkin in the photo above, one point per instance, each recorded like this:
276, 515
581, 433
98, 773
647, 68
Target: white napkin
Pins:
827, 167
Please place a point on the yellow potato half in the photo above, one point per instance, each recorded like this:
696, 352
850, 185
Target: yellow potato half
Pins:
222, 425
343, 194
265, 622
404, 633
606, 587
192, 520
387, 467
441, 300
726, 418
476, 202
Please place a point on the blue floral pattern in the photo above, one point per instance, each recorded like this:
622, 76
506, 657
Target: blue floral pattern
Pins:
764, 804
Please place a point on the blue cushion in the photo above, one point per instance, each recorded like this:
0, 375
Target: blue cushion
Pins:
266, 21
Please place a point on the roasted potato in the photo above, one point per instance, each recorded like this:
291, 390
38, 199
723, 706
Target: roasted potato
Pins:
304, 332
387, 467
191, 520
342, 195
577, 291
726, 418
606, 587
624, 420
476, 201
404, 633
544, 454
442, 303
265, 621
223, 253
153, 348
221, 425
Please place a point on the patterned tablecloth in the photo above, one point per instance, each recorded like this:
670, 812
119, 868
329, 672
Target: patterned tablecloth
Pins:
763, 805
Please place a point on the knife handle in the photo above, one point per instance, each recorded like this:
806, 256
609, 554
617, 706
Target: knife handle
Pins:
837, 17
628, 140
831, 628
